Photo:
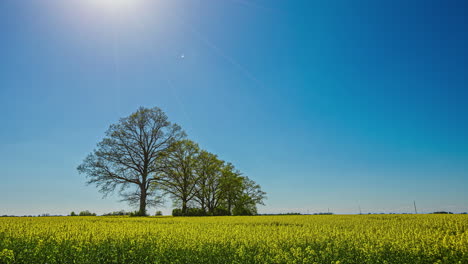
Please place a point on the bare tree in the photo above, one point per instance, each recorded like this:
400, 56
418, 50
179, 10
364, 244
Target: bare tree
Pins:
127, 156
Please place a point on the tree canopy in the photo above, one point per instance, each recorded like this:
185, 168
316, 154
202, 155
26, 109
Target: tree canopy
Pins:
124, 158
144, 156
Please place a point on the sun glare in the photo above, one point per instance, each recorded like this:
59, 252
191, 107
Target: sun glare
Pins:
115, 6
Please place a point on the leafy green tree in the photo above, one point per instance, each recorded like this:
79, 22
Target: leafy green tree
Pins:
178, 177
231, 184
241, 195
208, 192
125, 159
251, 195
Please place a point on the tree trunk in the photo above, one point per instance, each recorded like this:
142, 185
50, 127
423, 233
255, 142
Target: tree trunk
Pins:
184, 207
143, 195
229, 206
203, 207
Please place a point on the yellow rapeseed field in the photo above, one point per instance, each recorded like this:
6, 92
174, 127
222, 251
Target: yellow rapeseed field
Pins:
254, 239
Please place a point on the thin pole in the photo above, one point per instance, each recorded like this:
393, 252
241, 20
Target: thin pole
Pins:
415, 211
360, 210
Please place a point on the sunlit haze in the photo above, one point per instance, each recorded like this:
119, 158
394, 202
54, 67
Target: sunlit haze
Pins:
116, 7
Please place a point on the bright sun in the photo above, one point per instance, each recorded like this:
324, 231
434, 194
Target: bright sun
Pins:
114, 5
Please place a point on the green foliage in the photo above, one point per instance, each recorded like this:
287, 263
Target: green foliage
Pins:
72, 214
137, 214
196, 177
189, 212
241, 210
118, 213
177, 177
177, 212
87, 213
221, 211
196, 212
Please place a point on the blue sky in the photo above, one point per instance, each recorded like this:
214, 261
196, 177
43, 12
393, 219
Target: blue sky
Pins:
326, 104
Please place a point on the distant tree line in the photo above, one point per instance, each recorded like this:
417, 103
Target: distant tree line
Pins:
145, 158
83, 213
118, 213
115, 213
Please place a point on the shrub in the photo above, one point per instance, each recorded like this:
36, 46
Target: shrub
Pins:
87, 213
190, 212
220, 211
117, 213
177, 212
241, 211
136, 214
195, 212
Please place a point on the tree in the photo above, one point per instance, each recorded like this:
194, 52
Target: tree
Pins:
178, 177
87, 213
239, 193
231, 185
208, 192
251, 195
126, 157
